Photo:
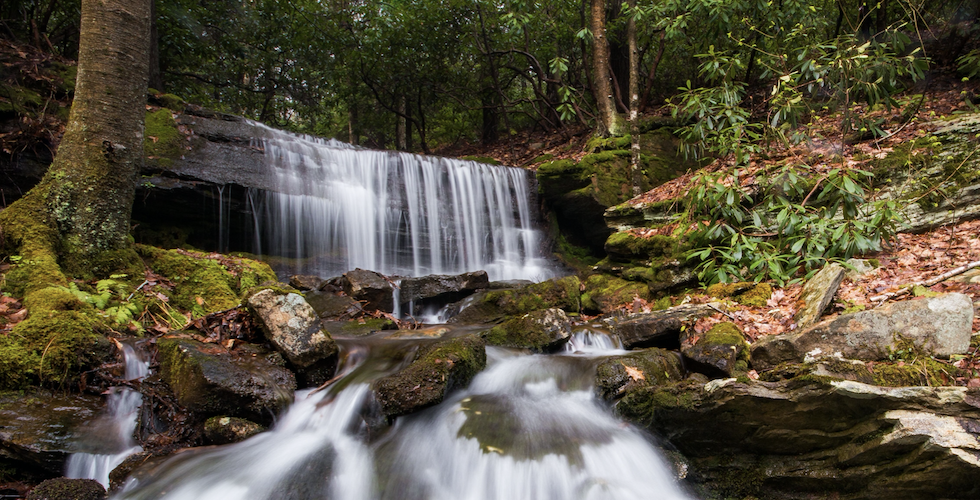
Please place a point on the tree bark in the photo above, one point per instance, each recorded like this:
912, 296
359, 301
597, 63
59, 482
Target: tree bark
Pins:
634, 92
602, 85
76, 220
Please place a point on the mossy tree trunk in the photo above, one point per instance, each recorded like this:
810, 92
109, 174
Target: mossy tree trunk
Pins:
77, 218
610, 123
634, 91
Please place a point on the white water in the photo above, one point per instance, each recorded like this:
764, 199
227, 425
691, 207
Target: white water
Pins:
338, 208
109, 439
528, 427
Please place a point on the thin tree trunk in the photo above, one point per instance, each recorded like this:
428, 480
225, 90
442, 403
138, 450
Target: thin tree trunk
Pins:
634, 91
156, 76
401, 125
602, 87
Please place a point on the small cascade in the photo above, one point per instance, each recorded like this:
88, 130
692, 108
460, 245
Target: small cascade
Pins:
109, 440
587, 340
337, 208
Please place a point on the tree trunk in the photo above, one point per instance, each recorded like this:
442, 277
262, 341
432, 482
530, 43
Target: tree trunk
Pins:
401, 125
81, 208
156, 76
602, 86
634, 91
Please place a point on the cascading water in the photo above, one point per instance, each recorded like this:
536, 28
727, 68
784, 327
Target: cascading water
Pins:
527, 427
109, 440
337, 208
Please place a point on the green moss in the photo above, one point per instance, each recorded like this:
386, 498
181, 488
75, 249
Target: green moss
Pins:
492, 306
628, 245
355, 328
542, 158
597, 143
172, 102
604, 293
162, 139
50, 347
540, 331
923, 371
643, 405
745, 293
481, 159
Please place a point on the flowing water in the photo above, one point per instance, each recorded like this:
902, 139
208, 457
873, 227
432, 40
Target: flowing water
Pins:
109, 439
527, 427
337, 208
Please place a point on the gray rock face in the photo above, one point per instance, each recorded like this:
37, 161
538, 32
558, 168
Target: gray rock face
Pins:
432, 286
372, 288
305, 282
208, 379
817, 294
37, 430
292, 326
657, 327
540, 331
617, 375
799, 438
330, 305
940, 326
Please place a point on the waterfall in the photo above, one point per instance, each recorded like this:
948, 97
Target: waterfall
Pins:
528, 426
337, 207
109, 440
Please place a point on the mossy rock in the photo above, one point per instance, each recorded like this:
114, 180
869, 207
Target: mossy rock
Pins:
358, 327
604, 293
494, 305
226, 430
745, 293
539, 331
162, 140
62, 488
722, 349
437, 370
626, 245
643, 405
204, 284
618, 375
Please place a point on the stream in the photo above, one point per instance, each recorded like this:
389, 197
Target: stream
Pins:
528, 426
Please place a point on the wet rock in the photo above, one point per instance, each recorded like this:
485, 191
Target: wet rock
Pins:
332, 305
208, 379
617, 375
494, 305
746, 293
657, 328
63, 488
938, 326
134, 464
358, 327
225, 430
540, 331
437, 370
722, 348
809, 436
449, 287
37, 430
305, 282
369, 287
817, 294
293, 327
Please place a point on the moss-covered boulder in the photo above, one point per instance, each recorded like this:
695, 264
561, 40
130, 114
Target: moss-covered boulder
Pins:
210, 380
746, 293
62, 488
494, 305
722, 349
604, 293
617, 375
657, 328
226, 430
206, 283
438, 369
539, 331
626, 246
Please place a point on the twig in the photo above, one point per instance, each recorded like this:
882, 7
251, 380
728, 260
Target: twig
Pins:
938, 279
719, 310
327, 383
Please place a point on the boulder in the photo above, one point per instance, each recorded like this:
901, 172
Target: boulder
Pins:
305, 282
293, 327
369, 287
722, 349
62, 488
747, 293
492, 306
811, 435
937, 326
438, 369
37, 430
605, 294
453, 287
226, 430
656, 328
332, 305
617, 375
360, 327
210, 380
539, 331
817, 294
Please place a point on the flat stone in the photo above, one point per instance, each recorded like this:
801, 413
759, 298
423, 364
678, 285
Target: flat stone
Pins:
305, 282
818, 293
370, 288
657, 327
434, 285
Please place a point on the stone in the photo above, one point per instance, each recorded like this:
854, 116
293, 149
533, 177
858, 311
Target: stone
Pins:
657, 328
37, 430
721, 349
332, 305
605, 294
293, 327
811, 435
937, 326
441, 289
305, 282
438, 369
360, 327
817, 294
539, 331
207, 379
648, 367
493, 306
372, 289
62, 488
747, 293
860, 268
226, 430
